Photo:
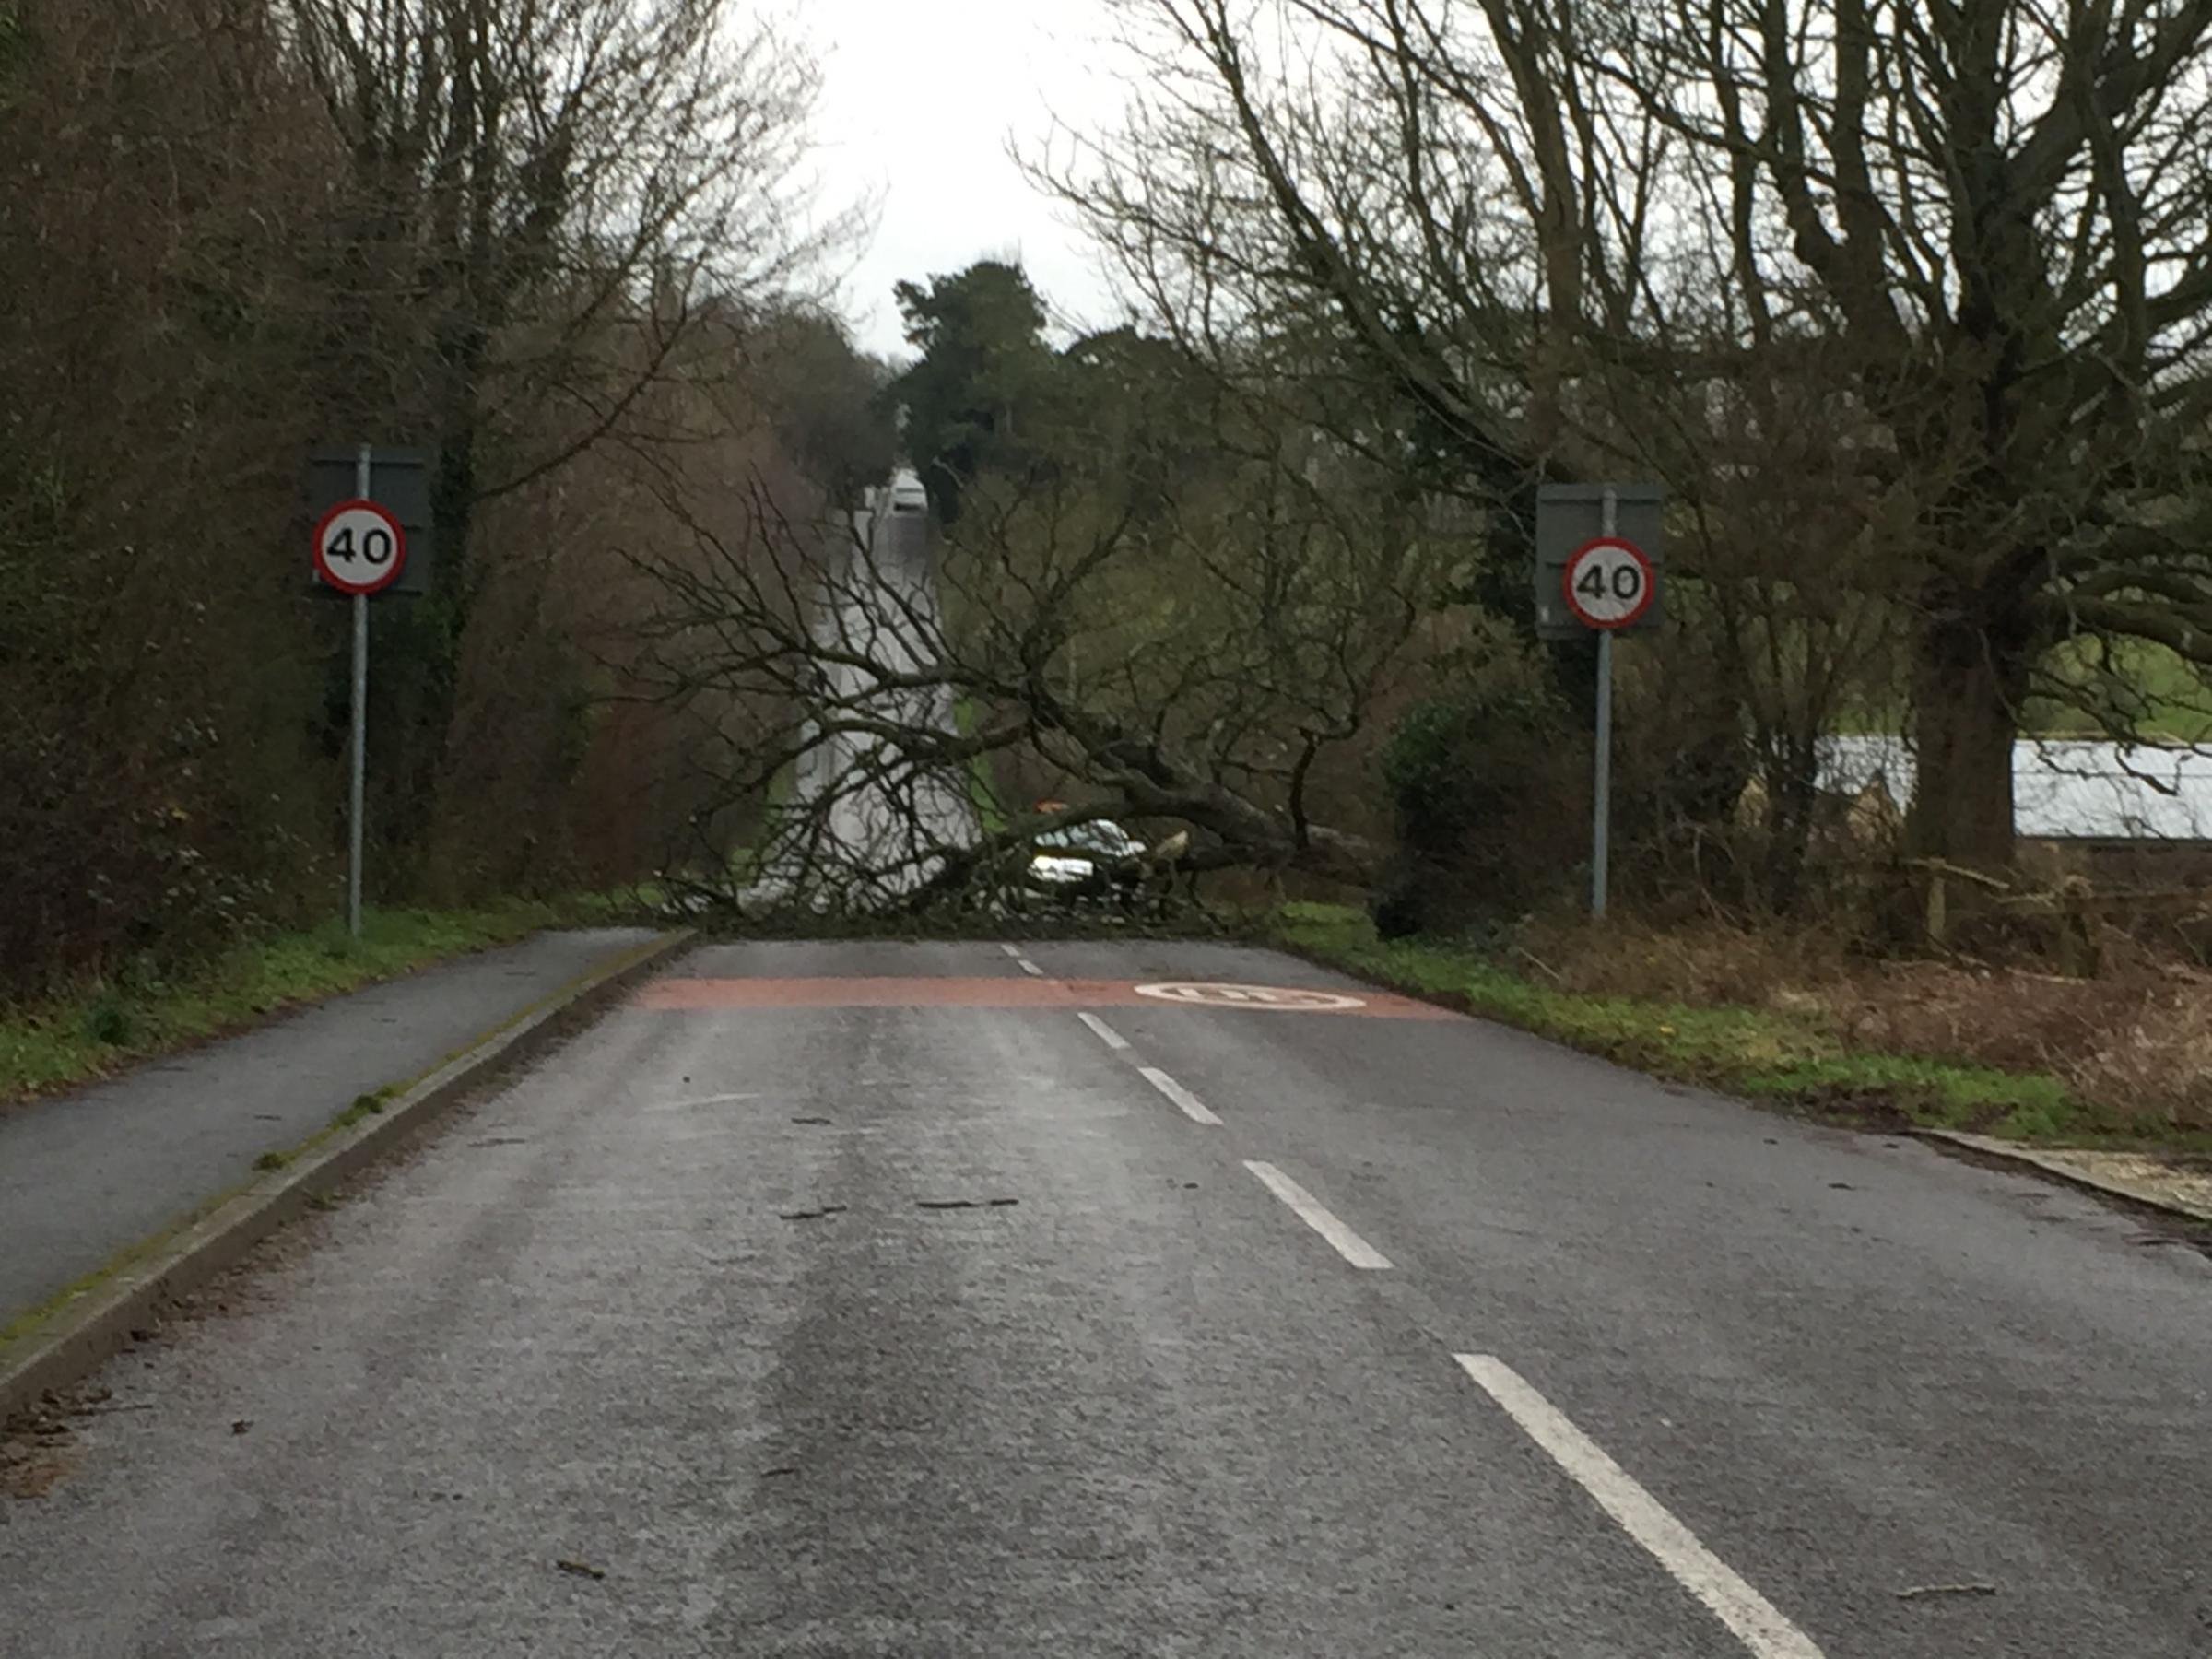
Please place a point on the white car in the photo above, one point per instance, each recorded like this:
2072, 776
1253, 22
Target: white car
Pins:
1084, 861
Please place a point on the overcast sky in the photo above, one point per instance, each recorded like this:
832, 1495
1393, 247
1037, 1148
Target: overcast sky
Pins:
920, 99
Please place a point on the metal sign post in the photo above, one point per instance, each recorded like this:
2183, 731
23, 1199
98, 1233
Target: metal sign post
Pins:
1601, 808
356, 784
1604, 585
358, 548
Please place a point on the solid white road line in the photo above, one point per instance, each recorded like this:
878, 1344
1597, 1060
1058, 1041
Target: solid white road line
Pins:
1192, 1107
1029, 967
1747, 1613
1315, 1214
1104, 1032
1012, 950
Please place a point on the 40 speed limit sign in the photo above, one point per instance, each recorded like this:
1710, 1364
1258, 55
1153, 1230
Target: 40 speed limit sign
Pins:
359, 547
1608, 583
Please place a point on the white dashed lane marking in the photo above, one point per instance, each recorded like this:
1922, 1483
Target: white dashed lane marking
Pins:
1104, 1032
1316, 1215
1191, 1105
1748, 1615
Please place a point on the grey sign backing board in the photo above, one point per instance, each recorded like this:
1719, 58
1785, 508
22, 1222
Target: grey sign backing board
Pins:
1570, 514
399, 481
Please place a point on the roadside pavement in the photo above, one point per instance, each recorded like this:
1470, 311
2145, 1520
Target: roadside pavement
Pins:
88, 1174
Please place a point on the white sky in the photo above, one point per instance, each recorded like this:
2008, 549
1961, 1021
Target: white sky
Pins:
919, 100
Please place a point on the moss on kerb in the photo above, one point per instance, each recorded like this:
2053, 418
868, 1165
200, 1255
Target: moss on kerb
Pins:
27, 1323
373, 1104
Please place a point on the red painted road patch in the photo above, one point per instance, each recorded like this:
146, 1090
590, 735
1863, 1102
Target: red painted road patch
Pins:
1007, 993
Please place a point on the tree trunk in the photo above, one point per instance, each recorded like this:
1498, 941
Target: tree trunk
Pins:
1969, 682
1793, 797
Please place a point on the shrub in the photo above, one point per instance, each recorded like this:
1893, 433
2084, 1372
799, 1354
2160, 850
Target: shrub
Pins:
1487, 785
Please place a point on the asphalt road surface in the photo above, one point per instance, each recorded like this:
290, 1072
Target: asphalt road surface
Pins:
965, 1299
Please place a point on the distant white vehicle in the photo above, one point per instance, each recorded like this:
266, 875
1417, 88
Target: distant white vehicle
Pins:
903, 494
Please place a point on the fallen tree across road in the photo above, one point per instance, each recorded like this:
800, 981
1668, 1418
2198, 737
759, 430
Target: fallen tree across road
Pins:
1187, 659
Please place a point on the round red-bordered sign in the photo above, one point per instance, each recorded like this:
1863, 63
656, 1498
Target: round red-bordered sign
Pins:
358, 548
1608, 583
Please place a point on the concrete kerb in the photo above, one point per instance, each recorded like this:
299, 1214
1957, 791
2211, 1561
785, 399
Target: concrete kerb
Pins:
82, 1334
2034, 1161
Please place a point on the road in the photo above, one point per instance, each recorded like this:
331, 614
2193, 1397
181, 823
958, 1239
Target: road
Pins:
1252, 1330
877, 823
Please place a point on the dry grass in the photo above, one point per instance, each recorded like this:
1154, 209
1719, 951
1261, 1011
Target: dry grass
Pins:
1786, 1052
2134, 1045
1696, 963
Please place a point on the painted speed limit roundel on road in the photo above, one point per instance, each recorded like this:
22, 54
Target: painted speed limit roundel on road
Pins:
1286, 998
359, 547
1609, 583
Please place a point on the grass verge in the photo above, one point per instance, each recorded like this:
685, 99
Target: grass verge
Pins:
1776, 1056
107, 1024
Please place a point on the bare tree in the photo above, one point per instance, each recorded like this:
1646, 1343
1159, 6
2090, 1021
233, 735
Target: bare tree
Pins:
158, 784
536, 233
1440, 203
555, 187
2003, 210
1970, 241
549, 198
